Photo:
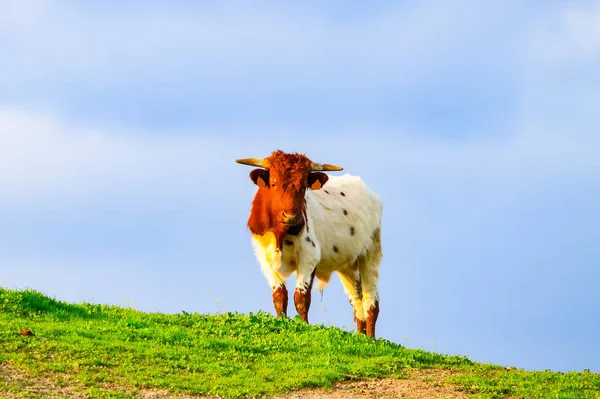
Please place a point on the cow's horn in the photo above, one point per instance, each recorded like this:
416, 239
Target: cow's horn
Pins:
325, 167
260, 162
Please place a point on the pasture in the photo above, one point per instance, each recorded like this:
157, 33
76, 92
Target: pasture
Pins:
97, 351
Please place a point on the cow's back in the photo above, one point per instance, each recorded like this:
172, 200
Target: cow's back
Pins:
344, 214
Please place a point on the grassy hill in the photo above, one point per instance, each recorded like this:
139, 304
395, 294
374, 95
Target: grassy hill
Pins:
108, 351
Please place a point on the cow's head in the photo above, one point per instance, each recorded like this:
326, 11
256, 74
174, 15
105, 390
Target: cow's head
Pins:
283, 179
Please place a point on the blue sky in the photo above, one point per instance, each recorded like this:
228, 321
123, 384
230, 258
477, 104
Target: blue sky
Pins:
476, 123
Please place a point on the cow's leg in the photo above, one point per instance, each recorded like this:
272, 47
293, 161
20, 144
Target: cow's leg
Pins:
351, 281
280, 300
368, 265
270, 264
369, 275
302, 294
279, 290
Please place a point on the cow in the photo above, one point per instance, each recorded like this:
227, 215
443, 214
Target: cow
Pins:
306, 222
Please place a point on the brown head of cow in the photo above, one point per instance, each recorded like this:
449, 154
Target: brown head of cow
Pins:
283, 179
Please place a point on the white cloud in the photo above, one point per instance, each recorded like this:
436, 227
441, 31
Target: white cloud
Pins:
155, 43
23, 16
43, 155
560, 82
42, 158
569, 33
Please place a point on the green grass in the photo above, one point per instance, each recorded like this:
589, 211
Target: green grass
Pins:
110, 351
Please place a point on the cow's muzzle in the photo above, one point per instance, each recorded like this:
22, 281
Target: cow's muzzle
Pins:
289, 219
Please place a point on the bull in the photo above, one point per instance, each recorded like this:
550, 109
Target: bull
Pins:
306, 222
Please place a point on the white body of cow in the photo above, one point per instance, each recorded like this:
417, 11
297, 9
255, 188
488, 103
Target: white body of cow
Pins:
342, 234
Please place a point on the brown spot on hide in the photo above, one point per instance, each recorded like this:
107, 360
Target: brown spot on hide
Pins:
326, 192
305, 219
343, 194
288, 242
361, 325
335, 249
345, 212
280, 300
307, 239
351, 230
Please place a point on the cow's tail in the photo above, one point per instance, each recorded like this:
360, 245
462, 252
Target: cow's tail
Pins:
322, 284
322, 281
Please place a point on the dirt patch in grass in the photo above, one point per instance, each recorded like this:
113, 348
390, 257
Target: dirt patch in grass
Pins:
420, 384
15, 384
164, 394
20, 385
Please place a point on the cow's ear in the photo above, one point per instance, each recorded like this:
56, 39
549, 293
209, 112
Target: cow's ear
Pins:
260, 177
316, 180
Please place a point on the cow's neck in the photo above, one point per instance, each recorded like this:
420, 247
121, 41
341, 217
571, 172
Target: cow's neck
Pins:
282, 231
